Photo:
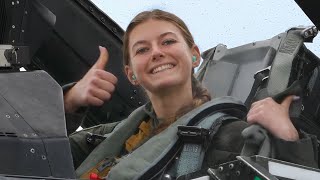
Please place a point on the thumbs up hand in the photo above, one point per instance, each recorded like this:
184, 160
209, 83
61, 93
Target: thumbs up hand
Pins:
96, 86
274, 117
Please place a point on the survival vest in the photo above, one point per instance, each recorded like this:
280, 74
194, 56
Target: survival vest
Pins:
192, 131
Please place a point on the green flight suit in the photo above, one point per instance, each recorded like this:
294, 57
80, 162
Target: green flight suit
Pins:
225, 146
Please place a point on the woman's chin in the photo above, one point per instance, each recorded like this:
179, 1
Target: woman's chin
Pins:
162, 86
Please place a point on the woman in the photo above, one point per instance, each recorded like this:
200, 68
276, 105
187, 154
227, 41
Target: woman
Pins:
160, 55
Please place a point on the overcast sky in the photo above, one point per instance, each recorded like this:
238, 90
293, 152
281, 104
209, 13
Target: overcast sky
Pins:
230, 22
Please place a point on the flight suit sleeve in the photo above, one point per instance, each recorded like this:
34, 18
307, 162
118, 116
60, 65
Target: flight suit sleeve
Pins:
226, 144
303, 152
258, 141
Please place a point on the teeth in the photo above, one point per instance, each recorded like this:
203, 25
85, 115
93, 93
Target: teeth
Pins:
162, 68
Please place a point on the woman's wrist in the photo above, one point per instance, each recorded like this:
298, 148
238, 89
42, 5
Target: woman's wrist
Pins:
289, 133
69, 104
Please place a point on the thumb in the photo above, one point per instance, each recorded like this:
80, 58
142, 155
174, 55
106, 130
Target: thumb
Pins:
287, 101
103, 59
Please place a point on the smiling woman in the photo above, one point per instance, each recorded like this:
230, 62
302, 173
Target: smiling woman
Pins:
155, 140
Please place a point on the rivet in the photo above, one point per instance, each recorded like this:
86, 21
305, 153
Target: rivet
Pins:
315, 30
240, 164
302, 107
90, 9
238, 173
12, 3
231, 166
114, 30
7, 116
102, 19
34, 134
13, 26
25, 12
220, 168
43, 157
13, 41
17, 115
22, 30
18, 2
140, 103
32, 150
135, 91
132, 98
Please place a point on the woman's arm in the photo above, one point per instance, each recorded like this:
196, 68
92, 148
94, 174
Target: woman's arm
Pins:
288, 143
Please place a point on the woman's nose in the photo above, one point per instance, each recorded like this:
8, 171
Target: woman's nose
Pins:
157, 53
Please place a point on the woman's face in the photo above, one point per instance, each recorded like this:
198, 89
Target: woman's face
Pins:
160, 58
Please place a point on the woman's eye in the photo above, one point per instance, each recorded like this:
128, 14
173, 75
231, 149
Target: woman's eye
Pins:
168, 41
141, 50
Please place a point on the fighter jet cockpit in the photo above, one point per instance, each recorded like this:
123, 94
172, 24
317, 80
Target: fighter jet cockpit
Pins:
47, 47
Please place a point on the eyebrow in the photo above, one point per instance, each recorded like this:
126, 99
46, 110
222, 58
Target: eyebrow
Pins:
144, 41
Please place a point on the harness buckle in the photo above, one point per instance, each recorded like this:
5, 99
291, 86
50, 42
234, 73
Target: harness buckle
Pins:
107, 164
92, 138
264, 72
193, 134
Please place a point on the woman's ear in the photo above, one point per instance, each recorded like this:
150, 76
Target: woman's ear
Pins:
130, 75
196, 53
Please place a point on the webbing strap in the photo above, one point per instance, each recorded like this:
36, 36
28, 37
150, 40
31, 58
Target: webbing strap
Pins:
192, 154
190, 159
282, 64
259, 78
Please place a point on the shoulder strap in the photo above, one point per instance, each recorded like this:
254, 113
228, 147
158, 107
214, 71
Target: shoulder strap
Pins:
282, 65
289, 72
148, 160
196, 140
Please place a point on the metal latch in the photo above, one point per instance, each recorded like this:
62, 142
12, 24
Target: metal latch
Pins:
193, 134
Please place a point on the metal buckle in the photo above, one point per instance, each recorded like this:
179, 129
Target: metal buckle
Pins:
308, 32
193, 134
91, 138
107, 163
264, 71
265, 78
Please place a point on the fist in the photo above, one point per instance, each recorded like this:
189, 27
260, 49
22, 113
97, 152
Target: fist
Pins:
274, 117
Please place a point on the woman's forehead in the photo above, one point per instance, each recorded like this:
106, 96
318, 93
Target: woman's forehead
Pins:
151, 29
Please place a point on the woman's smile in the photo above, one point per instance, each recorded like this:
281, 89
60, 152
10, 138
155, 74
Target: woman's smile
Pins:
162, 68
